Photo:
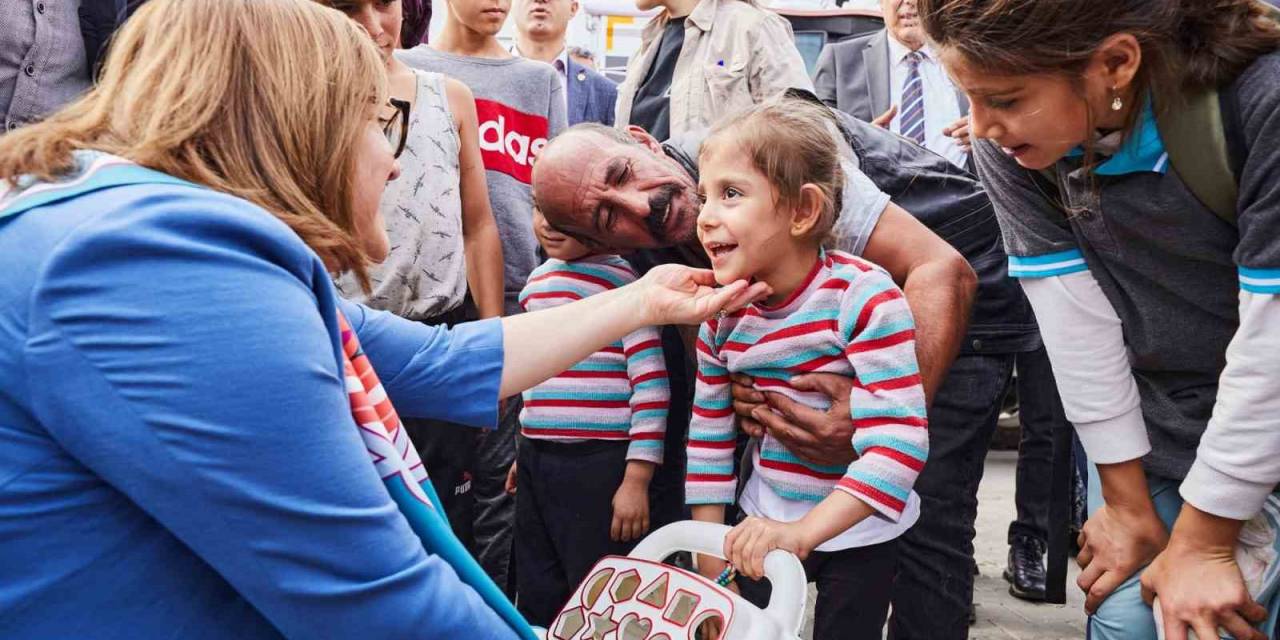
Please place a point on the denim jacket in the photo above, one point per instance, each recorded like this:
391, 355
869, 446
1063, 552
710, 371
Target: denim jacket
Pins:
735, 54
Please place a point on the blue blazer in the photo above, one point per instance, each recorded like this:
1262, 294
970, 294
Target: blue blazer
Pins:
591, 95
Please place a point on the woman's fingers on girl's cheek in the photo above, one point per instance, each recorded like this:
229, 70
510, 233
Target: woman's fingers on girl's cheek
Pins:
725, 297
750, 294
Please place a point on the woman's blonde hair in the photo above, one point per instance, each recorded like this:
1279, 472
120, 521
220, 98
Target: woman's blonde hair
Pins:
262, 99
791, 142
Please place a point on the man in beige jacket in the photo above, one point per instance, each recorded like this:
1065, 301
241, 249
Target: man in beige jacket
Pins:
699, 59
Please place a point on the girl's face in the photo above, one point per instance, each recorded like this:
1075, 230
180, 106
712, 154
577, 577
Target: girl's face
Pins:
740, 227
375, 167
1035, 119
381, 19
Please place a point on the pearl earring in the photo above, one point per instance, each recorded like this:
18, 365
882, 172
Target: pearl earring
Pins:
1116, 104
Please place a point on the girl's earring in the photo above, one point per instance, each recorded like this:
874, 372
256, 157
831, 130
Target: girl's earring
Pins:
1116, 104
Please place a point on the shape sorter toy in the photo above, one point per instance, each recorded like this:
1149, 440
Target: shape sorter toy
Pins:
636, 597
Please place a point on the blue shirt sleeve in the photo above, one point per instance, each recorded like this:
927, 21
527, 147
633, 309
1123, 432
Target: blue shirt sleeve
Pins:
184, 349
433, 372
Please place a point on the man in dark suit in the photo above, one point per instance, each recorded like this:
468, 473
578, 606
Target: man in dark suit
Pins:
540, 35
870, 77
894, 79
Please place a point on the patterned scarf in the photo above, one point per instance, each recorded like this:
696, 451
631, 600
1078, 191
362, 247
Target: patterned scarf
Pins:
394, 456
400, 468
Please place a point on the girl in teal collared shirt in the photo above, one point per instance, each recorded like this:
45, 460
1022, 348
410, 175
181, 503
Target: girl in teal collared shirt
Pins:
1160, 317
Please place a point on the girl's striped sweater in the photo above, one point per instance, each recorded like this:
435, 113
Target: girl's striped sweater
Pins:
847, 318
618, 393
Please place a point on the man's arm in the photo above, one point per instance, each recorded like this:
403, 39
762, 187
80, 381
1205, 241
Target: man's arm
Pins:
939, 283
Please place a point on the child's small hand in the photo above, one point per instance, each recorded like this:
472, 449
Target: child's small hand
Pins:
630, 512
510, 485
749, 542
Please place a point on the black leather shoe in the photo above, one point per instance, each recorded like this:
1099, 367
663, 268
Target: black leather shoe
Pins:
1025, 572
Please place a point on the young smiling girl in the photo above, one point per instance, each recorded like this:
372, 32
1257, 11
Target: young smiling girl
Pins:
770, 179
1160, 317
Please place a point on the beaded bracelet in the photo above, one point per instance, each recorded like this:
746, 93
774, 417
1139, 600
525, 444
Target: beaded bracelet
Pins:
726, 576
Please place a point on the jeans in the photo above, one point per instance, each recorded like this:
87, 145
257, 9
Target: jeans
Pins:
934, 584
1040, 411
1125, 616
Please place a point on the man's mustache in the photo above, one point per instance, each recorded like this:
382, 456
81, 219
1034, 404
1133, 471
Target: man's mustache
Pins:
658, 205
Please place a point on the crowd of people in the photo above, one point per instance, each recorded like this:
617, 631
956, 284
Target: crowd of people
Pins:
270, 263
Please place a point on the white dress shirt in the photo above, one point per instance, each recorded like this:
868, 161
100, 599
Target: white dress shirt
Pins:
940, 105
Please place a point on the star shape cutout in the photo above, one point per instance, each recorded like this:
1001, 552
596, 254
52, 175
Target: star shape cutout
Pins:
601, 623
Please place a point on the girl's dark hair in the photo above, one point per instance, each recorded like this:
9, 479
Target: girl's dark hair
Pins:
1187, 45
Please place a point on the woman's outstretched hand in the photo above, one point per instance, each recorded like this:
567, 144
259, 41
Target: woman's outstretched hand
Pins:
674, 294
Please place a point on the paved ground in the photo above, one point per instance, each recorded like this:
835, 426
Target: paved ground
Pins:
1001, 616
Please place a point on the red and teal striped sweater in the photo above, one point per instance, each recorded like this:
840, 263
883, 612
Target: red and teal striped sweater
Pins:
847, 318
618, 393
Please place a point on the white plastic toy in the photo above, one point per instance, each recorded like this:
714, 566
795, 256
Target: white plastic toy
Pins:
636, 597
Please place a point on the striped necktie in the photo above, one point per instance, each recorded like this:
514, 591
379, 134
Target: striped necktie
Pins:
912, 123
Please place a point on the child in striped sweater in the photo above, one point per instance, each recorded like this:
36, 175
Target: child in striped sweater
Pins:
590, 438
771, 181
